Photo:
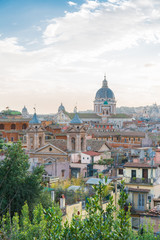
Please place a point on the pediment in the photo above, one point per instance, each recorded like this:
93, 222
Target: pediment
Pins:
73, 129
50, 149
33, 129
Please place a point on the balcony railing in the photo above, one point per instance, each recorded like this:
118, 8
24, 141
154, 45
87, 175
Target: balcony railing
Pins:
138, 208
138, 180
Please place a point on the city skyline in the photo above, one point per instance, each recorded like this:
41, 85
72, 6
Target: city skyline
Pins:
59, 51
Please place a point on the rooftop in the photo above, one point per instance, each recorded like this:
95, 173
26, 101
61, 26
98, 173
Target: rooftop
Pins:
138, 190
76, 119
120, 115
95, 181
122, 134
85, 115
139, 165
95, 145
92, 153
35, 120
59, 143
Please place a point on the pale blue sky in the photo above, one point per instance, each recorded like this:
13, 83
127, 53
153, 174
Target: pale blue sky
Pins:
58, 51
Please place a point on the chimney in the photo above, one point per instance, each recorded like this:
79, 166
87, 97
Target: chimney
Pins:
62, 201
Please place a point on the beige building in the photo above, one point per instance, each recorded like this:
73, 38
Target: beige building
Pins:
76, 136
54, 159
142, 180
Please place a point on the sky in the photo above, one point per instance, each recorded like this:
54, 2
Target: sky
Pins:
54, 51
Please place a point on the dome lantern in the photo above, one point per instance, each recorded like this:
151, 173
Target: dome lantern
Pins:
104, 83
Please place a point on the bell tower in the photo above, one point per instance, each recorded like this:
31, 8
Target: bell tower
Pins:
35, 134
76, 135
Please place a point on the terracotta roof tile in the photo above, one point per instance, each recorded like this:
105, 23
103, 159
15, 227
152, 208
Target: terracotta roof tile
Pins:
59, 143
95, 145
92, 153
139, 165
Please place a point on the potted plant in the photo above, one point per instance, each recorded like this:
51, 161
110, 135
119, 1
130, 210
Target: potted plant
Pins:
134, 179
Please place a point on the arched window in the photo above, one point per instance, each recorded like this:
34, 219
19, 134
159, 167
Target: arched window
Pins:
40, 141
1, 126
82, 144
13, 126
73, 143
24, 126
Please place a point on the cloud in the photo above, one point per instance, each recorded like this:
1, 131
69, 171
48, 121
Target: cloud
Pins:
10, 45
105, 26
72, 3
149, 65
118, 37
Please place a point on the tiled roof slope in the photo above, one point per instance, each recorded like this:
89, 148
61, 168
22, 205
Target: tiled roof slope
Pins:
95, 145
139, 165
59, 143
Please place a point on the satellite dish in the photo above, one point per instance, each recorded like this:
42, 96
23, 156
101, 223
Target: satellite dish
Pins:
89, 148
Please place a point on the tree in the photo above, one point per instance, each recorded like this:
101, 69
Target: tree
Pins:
99, 224
17, 184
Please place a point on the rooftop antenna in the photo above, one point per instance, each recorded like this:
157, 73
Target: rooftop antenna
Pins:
34, 108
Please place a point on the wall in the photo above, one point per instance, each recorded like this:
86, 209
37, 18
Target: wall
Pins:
85, 158
127, 172
16, 133
154, 221
73, 209
75, 157
55, 169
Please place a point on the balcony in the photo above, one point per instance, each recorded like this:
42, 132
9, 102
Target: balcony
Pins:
135, 180
135, 208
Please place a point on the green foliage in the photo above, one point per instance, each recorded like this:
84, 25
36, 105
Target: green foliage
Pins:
106, 161
17, 184
1, 143
100, 223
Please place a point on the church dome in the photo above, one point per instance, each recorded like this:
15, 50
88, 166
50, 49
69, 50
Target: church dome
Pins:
105, 92
61, 108
25, 113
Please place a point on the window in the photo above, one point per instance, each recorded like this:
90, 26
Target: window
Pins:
1, 126
120, 171
141, 200
24, 126
149, 198
13, 126
63, 172
73, 144
50, 149
133, 173
12, 139
125, 140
